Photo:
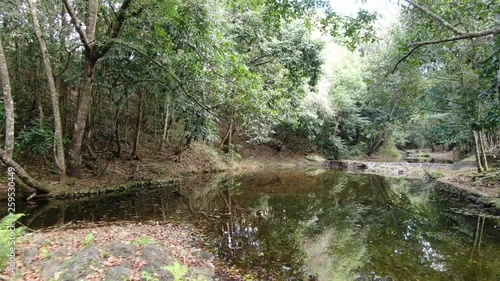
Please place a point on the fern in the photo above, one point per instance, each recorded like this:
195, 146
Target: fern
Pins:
178, 270
5, 223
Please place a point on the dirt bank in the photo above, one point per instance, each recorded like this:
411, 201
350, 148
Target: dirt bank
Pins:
171, 165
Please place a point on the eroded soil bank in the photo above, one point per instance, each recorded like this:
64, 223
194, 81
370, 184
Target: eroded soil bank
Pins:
164, 167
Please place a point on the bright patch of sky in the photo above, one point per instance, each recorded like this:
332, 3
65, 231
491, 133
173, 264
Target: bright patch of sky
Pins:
387, 9
336, 56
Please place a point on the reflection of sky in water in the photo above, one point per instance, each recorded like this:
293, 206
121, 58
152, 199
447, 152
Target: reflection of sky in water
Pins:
410, 228
431, 257
240, 236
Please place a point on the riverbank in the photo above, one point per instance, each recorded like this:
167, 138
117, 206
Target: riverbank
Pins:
164, 167
171, 166
458, 182
479, 201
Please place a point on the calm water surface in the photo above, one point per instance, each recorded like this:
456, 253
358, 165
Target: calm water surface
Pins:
288, 225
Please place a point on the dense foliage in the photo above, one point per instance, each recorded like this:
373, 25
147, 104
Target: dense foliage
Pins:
172, 72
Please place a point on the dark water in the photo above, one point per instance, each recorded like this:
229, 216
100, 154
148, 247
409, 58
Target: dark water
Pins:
288, 225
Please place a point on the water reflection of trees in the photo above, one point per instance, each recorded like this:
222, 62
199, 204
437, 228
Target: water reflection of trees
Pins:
334, 225
337, 226
426, 240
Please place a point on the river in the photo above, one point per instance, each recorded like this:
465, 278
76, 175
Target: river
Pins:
295, 224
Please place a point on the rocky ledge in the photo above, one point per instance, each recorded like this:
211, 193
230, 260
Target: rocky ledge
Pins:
475, 200
126, 251
393, 169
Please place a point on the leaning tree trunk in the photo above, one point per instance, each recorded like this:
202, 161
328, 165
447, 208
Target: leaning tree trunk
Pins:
140, 107
22, 174
478, 152
58, 137
9, 103
225, 145
6, 155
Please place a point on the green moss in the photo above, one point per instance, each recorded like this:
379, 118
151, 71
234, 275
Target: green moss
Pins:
89, 239
436, 174
145, 240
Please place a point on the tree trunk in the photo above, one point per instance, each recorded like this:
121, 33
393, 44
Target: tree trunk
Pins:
483, 150
165, 126
9, 103
58, 137
433, 147
478, 152
92, 21
226, 142
140, 106
375, 143
118, 151
83, 110
93, 52
127, 119
22, 174
41, 115
118, 110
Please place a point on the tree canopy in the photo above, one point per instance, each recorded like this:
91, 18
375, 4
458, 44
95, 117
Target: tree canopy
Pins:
94, 79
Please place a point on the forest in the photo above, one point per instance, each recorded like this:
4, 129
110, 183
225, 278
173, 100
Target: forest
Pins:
95, 81
98, 93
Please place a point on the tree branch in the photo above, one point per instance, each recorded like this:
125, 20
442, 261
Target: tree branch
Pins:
116, 27
446, 99
436, 18
405, 57
470, 35
78, 26
173, 75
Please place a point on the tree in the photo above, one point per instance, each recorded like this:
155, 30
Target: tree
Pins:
6, 155
476, 48
92, 53
58, 134
9, 103
459, 33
